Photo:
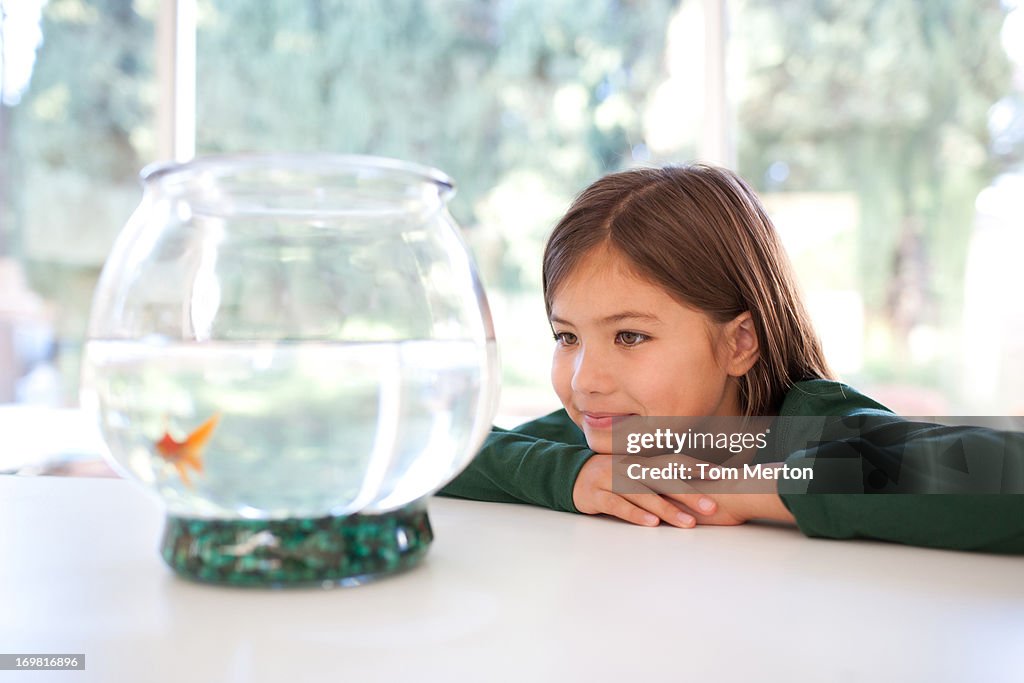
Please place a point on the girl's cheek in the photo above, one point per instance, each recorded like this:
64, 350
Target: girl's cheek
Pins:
561, 379
558, 366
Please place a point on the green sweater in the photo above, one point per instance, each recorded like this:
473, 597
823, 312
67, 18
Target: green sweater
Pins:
538, 463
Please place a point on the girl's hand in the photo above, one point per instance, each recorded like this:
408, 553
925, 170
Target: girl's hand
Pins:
592, 494
717, 502
728, 509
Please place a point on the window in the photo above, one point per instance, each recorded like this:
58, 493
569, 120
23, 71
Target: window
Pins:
76, 124
887, 136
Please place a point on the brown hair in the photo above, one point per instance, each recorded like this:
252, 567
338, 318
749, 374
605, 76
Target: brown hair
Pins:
702, 234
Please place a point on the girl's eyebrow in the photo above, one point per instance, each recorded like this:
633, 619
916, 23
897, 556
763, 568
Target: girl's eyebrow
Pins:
615, 318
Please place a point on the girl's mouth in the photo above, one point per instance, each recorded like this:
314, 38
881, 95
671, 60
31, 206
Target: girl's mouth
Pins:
602, 420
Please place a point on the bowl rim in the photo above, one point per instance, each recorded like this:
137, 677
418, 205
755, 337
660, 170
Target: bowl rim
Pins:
325, 162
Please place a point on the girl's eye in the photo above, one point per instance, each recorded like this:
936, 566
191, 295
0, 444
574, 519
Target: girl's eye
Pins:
565, 338
630, 338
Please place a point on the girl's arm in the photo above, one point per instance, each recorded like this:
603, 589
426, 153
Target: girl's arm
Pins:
896, 480
546, 462
534, 463
919, 483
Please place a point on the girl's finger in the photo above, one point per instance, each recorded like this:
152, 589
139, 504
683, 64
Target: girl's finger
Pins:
707, 510
617, 506
664, 509
702, 504
693, 513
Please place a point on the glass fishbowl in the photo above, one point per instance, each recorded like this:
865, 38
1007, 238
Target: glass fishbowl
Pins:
292, 352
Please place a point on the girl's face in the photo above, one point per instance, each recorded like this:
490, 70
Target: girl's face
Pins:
625, 347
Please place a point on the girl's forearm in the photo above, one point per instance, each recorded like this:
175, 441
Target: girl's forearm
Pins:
767, 506
763, 502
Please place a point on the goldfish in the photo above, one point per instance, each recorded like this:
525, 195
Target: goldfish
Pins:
187, 453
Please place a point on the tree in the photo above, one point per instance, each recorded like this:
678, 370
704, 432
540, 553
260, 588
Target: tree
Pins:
496, 94
889, 100
78, 138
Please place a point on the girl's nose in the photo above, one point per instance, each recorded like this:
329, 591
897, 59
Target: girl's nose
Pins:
591, 375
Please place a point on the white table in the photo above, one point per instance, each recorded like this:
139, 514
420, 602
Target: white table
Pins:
508, 593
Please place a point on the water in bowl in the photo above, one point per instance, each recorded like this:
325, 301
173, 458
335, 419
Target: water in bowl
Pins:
304, 430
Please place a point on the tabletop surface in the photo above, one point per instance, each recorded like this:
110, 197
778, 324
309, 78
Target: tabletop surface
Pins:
507, 592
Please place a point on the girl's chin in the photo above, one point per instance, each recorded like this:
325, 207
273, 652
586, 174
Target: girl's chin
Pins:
599, 443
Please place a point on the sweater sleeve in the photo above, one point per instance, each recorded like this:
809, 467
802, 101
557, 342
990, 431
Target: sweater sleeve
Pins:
535, 463
883, 477
956, 522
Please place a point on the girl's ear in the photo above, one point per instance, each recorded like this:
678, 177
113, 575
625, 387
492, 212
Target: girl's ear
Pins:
741, 344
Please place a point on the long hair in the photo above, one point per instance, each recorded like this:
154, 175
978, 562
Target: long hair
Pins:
700, 233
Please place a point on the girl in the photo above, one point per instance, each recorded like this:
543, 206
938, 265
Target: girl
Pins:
669, 294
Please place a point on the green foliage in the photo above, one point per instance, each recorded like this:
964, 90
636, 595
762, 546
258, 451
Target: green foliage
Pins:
889, 100
92, 92
468, 87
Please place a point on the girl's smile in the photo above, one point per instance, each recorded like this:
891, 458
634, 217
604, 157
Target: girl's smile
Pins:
624, 347
598, 420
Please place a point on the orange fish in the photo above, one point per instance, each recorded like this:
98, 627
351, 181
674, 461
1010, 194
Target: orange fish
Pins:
187, 453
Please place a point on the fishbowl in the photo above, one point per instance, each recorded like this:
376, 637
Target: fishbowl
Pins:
293, 352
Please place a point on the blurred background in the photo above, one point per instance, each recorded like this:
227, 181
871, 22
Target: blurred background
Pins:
885, 137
